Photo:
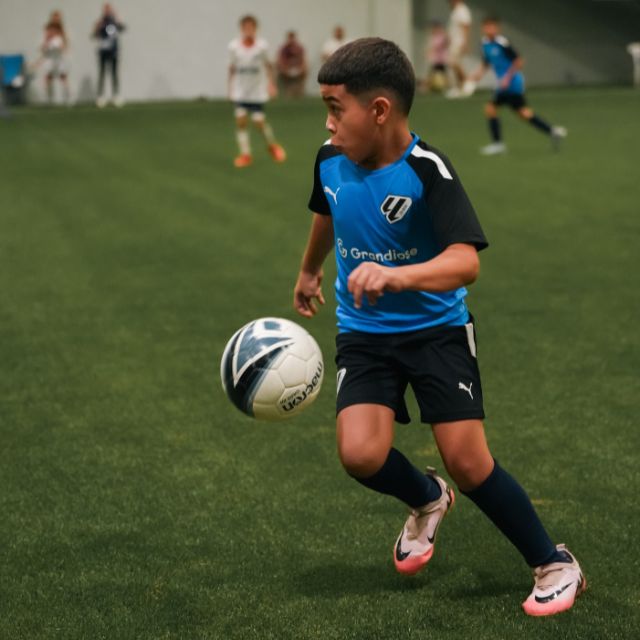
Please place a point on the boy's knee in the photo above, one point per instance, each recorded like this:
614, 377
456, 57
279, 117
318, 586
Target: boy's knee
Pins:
490, 110
361, 461
469, 472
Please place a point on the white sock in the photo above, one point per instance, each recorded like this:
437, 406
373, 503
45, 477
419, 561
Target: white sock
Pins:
267, 131
242, 136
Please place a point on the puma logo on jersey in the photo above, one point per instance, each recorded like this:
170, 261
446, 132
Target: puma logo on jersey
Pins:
332, 194
463, 387
394, 208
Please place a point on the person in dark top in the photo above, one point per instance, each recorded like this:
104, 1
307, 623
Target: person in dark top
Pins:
107, 32
292, 66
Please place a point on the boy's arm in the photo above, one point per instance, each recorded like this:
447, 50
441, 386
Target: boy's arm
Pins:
318, 248
230, 75
272, 87
458, 265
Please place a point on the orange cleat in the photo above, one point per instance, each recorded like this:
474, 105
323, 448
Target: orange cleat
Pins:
277, 152
243, 160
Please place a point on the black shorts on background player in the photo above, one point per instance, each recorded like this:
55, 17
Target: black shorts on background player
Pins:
514, 100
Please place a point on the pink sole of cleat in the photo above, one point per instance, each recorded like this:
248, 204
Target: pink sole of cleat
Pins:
413, 564
535, 609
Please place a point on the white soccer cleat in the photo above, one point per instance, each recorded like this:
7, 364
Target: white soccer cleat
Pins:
453, 93
494, 149
557, 135
101, 102
557, 585
414, 546
118, 101
468, 88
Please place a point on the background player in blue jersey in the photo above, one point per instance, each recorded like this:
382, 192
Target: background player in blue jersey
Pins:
407, 239
498, 54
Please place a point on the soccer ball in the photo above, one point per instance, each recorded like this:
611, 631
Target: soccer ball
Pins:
271, 369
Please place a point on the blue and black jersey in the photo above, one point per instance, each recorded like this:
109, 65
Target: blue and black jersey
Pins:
405, 213
499, 55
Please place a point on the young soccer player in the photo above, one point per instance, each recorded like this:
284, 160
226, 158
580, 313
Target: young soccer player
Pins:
407, 241
251, 82
498, 54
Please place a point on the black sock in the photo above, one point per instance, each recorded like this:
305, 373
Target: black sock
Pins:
399, 478
540, 124
494, 129
507, 505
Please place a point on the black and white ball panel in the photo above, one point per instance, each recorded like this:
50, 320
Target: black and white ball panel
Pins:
271, 369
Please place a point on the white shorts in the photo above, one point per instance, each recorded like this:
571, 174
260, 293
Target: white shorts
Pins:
55, 67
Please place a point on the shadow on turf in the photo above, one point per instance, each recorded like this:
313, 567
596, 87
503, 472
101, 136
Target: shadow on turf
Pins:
337, 580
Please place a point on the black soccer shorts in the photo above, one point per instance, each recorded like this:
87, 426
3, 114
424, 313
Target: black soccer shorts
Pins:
515, 100
439, 363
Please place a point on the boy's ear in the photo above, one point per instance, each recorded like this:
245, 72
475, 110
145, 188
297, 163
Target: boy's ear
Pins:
382, 108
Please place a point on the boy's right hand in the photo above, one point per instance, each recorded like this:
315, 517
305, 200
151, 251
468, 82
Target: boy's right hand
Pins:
307, 288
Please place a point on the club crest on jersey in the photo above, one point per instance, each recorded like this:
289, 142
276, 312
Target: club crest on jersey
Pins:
394, 208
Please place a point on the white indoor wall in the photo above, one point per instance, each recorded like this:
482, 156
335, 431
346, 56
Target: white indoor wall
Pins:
178, 49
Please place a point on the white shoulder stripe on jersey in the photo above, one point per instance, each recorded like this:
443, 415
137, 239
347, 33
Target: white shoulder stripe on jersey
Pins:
502, 40
418, 152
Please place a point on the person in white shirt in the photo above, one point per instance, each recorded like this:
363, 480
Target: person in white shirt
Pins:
251, 84
54, 56
459, 30
334, 43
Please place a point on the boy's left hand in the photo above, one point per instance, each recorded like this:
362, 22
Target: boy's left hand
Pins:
372, 280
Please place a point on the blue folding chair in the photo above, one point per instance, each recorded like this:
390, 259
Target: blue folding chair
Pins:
13, 78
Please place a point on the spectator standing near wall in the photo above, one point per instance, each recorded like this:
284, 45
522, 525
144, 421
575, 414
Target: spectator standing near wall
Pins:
54, 49
292, 67
437, 57
107, 31
334, 43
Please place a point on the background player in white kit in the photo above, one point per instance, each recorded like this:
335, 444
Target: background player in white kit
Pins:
251, 84
459, 30
54, 53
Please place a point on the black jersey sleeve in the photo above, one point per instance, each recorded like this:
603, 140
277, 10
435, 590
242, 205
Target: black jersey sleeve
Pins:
318, 202
510, 52
452, 215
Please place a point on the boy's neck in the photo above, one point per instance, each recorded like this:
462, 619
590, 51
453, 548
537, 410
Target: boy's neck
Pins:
392, 144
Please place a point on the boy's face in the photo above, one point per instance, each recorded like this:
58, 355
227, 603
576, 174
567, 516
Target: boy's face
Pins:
352, 123
248, 29
490, 29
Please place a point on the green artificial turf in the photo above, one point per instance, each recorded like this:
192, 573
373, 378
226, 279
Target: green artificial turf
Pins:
137, 502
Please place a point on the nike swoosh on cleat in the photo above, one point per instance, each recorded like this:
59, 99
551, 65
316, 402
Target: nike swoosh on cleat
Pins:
400, 554
553, 595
